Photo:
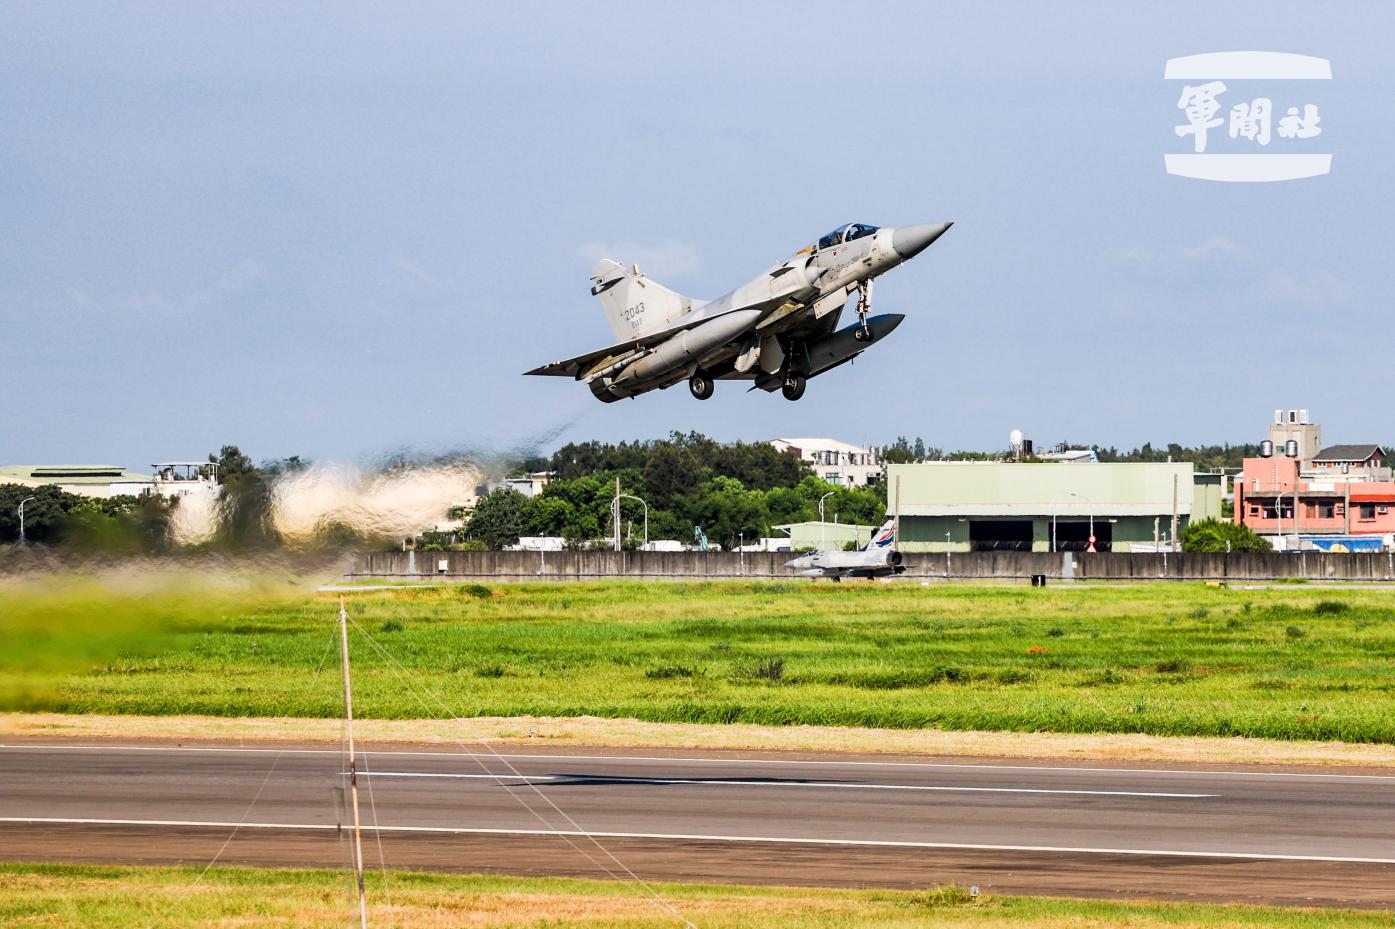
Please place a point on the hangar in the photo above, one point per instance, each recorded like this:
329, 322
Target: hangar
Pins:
1029, 506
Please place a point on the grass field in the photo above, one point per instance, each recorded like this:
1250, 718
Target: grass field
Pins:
1289, 663
95, 897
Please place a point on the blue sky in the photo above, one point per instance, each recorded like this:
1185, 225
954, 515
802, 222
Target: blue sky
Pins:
339, 230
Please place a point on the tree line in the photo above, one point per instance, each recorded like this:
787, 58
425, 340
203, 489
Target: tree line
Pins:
55, 517
1205, 457
689, 481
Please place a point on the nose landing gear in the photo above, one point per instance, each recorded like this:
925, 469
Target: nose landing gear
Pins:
864, 307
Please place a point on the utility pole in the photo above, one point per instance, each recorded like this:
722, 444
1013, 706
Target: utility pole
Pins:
353, 765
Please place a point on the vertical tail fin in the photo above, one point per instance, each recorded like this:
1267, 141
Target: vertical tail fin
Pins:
883, 538
635, 305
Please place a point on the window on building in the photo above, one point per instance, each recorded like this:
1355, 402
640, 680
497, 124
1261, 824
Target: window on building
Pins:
1325, 510
1367, 511
1271, 512
1254, 510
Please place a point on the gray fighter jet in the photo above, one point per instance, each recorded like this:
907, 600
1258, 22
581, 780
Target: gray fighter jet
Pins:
878, 558
778, 330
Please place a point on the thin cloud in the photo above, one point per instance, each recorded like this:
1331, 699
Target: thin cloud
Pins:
1215, 249
670, 259
416, 272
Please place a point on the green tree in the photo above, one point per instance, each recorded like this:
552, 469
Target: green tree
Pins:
123, 523
497, 519
671, 472
245, 501
43, 516
1212, 535
544, 515
726, 511
758, 466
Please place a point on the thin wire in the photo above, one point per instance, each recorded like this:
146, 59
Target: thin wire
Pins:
378, 834
328, 647
634, 878
413, 687
245, 813
275, 760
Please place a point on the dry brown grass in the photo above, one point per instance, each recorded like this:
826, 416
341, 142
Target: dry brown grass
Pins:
629, 733
96, 897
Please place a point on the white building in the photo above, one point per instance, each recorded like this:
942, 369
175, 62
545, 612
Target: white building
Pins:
835, 461
83, 480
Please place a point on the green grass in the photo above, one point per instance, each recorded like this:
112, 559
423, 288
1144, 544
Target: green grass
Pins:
96, 897
1166, 659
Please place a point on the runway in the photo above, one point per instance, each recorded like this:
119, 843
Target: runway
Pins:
1255, 835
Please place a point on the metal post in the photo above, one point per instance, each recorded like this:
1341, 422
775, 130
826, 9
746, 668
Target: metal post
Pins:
615, 513
1174, 512
353, 765
946, 554
21, 517
1346, 507
823, 530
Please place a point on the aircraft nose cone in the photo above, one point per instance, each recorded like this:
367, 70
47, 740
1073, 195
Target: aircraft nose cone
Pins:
909, 241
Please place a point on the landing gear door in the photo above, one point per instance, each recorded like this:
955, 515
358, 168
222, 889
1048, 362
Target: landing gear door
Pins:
772, 355
830, 302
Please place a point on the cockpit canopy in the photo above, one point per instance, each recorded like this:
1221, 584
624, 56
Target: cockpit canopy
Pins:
846, 234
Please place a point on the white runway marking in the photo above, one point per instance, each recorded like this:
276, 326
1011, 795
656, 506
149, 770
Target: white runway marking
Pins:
514, 756
534, 779
745, 839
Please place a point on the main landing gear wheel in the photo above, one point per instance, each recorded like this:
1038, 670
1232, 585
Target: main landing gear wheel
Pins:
700, 385
862, 333
794, 386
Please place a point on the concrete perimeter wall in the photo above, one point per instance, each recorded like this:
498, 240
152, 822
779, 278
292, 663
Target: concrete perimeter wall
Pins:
1005, 566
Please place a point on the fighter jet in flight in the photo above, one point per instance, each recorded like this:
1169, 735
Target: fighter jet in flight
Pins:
878, 558
778, 330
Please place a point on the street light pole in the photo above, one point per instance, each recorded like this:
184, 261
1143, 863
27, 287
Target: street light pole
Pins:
646, 512
1091, 543
21, 517
823, 530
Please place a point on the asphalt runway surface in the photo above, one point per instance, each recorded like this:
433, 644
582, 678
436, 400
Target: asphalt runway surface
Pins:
1293, 836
